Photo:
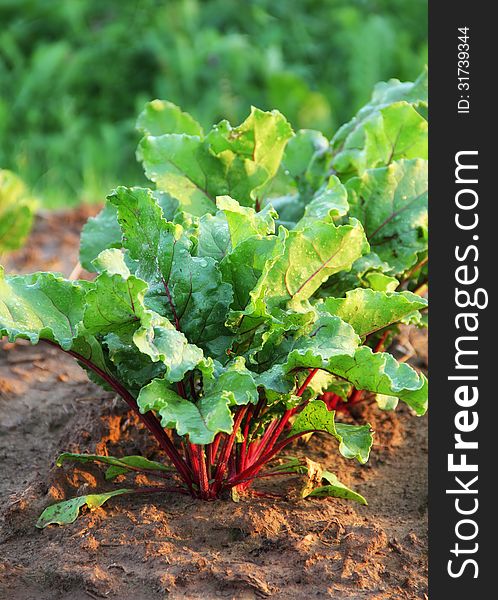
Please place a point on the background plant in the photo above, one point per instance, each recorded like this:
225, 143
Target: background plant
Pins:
17, 208
72, 73
245, 286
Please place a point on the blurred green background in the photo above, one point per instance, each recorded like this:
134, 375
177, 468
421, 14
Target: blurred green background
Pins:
74, 74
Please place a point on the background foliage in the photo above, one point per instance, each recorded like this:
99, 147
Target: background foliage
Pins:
73, 75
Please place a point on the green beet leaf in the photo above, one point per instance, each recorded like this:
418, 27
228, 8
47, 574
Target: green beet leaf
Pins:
251, 152
238, 381
213, 236
368, 311
228, 161
355, 441
114, 303
118, 466
132, 366
332, 345
162, 342
359, 276
245, 222
40, 306
335, 489
327, 204
160, 117
184, 167
392, 202
391, 126
103, 231
304, 260
199, 420
66, 512
380, 373
389, 134
306, 159
187, 288
99, 233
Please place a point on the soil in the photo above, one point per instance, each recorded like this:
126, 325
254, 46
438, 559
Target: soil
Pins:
170, 546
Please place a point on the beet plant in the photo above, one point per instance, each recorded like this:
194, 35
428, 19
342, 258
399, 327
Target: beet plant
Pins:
253, 283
